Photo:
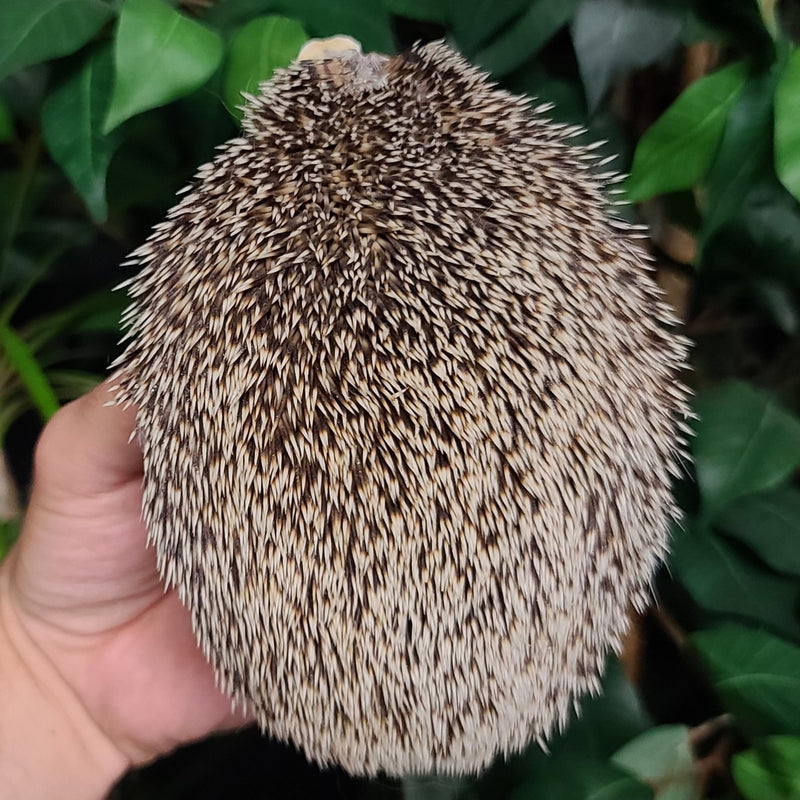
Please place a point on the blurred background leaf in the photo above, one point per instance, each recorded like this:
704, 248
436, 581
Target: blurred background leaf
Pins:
36, 30
159, 55
72, 122
257, 50
757, 674
662, 757
768, 523
613, 37
771, 770
787, 125
744, 442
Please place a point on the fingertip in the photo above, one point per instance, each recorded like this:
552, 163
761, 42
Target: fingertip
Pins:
90, 443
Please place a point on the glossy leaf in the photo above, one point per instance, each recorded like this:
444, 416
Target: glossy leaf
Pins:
159, 55
29, 372
615, 36
787, 125
770, 770
370, 24
756, 674
763, 237
768, 523
744, 151
722, 580
475, 22
578, 777
662, 758
37, 30
511, 49
72, 121
745, 443
257, 50
679, 147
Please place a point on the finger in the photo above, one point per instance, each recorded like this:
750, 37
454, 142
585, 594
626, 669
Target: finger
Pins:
88, 447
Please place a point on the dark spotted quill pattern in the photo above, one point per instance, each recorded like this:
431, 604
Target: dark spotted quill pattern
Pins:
409, 412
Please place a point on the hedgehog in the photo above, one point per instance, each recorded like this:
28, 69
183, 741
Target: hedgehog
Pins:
410, 403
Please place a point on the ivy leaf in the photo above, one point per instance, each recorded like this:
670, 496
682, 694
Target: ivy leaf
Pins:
745, 443
770, 770
37, 30
72, 120
768, 523
159, 55
756, 674
679, 147
787, 125
510, 50
721, 580
257, 50
616, 36
662, 758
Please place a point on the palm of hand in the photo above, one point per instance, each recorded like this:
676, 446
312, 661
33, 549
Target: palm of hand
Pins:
87, 589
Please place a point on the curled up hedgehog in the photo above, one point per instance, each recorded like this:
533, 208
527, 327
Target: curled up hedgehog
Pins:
409, 404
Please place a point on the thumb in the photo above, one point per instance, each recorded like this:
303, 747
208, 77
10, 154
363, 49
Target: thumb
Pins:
88, 447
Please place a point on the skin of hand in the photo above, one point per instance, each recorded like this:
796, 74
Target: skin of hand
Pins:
83, 586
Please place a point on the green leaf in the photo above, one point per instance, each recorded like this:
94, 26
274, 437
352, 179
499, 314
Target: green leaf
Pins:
744, 151
787, 125
474, 22
721, 580
318, 17
768, 10
72, 120
616, 36
29, 371
756, 674
441, 787
425, 10
159, 55
770, 770
511, 49
777, 301
763, 237
6, 123
9, 531
37, 30
257, 50
745, 443
578, 777
768, 523
662, 758
679, 147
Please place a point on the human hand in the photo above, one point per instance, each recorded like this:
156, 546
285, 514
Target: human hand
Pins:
82, 586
